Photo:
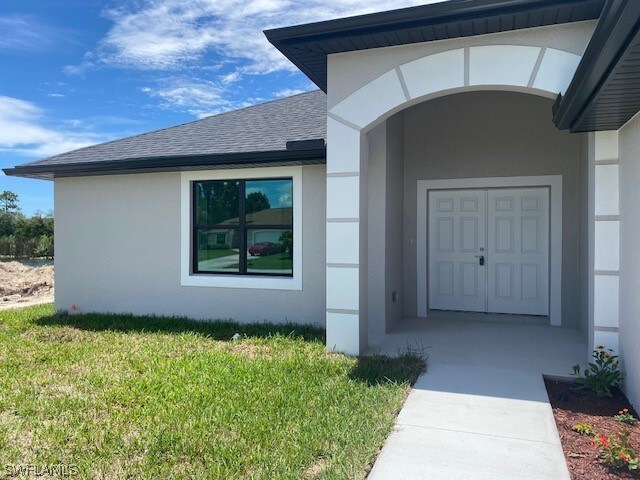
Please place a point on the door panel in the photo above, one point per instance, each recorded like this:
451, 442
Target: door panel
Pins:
457, 231
518, 251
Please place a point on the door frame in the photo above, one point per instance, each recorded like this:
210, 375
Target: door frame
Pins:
553, 182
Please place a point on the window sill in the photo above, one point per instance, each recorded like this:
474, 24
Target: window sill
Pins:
242, 281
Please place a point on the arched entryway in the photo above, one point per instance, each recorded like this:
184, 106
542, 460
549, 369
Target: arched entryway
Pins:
534, 70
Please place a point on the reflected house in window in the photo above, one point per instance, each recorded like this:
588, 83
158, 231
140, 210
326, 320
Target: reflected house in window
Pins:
256, 237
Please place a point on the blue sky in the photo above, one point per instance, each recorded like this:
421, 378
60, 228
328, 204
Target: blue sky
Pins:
78, 72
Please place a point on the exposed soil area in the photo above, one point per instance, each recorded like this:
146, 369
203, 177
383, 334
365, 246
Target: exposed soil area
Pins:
24, 283
572, 406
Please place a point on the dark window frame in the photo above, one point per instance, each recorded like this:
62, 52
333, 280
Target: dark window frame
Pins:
241, 227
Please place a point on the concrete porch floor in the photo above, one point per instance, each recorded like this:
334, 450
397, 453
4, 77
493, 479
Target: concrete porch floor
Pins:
481, 410
512, 341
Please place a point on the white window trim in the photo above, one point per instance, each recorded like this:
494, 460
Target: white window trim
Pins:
554, 182
189, 279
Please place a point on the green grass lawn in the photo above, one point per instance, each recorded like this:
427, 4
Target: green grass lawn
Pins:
135, 397
277, 261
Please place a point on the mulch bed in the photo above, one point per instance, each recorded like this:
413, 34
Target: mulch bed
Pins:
572, 406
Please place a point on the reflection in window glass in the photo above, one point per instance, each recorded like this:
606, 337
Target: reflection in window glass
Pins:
216, 202
269, 202
218, 250
270, 251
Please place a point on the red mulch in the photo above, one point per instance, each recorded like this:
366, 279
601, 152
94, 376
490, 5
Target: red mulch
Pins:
572, 406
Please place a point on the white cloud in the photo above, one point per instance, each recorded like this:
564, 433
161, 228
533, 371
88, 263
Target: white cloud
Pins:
23, 129
81, 68
198, 97
222, 37
56, 95
287, 92
231, 78
22, 33
169, 34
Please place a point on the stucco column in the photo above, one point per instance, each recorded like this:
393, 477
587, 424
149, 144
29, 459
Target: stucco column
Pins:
604, 214
346, 227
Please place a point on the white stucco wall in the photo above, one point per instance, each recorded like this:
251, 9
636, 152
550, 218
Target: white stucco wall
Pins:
585, 266
394, 247
385, 200
376, 231
118, 250
629, 334
347, 72
493, 134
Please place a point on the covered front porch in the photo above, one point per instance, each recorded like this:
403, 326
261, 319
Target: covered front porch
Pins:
470, 120
496, 164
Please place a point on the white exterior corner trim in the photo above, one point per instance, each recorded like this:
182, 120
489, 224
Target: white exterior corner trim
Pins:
554, 182
604, 215
524, 68
188, 279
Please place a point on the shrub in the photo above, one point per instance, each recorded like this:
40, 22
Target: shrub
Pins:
625, 417
44, 248
617, 453
583, 429
602, 374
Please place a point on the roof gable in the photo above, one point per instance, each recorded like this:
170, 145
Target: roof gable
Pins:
308, 46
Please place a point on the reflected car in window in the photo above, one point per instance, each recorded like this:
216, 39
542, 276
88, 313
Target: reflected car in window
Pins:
264, 248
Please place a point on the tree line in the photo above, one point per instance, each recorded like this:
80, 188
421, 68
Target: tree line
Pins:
22, 236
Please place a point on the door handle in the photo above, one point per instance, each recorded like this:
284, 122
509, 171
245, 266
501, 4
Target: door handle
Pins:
480, 260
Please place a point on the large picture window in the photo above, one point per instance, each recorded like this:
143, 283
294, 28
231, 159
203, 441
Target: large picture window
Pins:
243, 227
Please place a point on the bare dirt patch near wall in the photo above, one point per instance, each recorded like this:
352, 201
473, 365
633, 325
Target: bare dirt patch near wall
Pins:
24, 283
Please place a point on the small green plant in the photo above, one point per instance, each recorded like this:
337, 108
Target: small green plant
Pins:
583, 429
625, 417
617, 453
602, 374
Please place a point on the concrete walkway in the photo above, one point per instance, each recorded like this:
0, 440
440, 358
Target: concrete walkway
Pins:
481, 411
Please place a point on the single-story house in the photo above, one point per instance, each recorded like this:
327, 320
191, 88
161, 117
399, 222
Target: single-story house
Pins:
471, 155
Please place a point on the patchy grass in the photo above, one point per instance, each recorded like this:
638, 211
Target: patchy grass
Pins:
144, 397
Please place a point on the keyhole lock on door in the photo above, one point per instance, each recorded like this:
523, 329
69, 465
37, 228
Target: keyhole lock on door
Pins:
480, 260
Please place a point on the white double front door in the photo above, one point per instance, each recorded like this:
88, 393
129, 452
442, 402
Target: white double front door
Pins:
489, 250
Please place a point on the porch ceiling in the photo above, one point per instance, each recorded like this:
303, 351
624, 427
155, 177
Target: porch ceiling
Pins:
308, 46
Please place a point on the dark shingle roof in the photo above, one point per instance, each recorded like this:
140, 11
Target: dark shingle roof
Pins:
253, 130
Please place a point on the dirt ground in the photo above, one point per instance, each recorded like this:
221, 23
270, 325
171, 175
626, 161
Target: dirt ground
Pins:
570, 407
24, 283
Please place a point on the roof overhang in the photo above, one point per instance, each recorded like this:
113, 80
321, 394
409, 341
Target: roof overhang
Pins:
171, 164
605, 91
308, 46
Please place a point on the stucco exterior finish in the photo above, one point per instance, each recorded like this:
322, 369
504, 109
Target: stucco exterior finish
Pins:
394, 274
384, 235
118, 250
347, 72
492, 134
630, 257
